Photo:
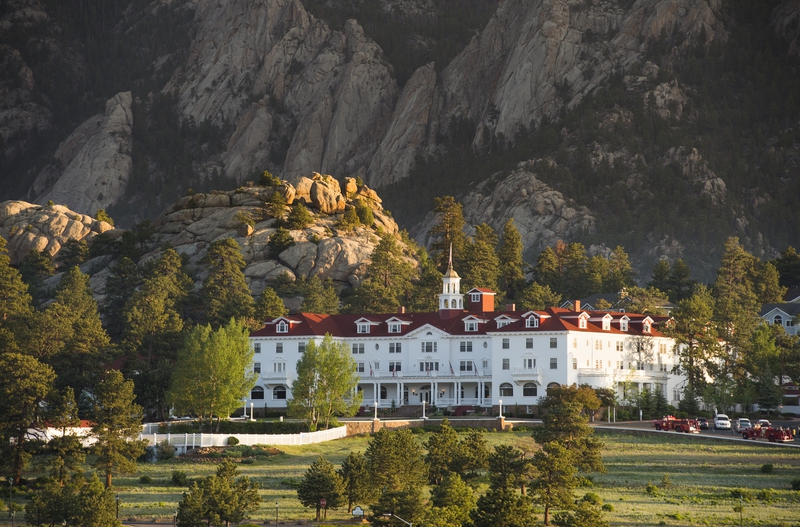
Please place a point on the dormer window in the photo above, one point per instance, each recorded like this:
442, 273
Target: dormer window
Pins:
475, 297
363, 328
503, 323
778, 320
395, 327
470, 325
531, 322
646, 326
606, 323
582, 322
282, 327
623, 324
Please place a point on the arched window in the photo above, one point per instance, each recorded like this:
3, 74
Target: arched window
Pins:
446, 303
553, 385
529, 390
506, 390
279, 392
778, 320
384, 393
257, 393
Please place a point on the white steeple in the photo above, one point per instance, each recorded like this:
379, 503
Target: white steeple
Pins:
451, 297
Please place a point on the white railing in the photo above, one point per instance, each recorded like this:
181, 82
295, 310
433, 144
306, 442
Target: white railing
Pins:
184, 442
421, 375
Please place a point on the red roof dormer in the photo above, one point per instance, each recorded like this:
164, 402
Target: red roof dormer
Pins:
481, 300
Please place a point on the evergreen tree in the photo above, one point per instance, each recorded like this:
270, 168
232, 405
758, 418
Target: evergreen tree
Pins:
449, 233
120, 285
660, 278
299, 217
24, 386
387, 282
620, 271
102, 215
512, 266
555, 482
424, 295
319, 297
585, 515
225, 294
15, 302
276, 205
503, 508
788, 266
213, 371
268, 306
364, 213
395, 460
63, 454
73, 252
325, 384
471, 457
356, 480
453, 499
680, 284
79, 503
766, 284
219, 499
349, 220
548, 270
442, 448
117, 423
566, 424
538, 297
508, 468
688, 402
481, 265
597, 275
695, 336
279, 241
86, 348
321, 482
36, 267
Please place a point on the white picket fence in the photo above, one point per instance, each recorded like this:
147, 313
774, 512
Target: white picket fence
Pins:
184, 442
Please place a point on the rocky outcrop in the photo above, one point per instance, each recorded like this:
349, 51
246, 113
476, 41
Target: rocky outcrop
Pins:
93, 164
786, 21
29, 226
541, 214
692, 164
330, 90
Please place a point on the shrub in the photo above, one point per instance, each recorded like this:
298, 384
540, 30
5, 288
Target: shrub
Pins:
651, 489
365, 214
280, 240
145, 480
608, 507
796, 484
179, 478
744, 494
767, 469
233, 441
766, 495
299, 217
165, 451
593, 498
666, 481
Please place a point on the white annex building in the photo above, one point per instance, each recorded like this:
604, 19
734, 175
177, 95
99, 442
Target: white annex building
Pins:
465, 357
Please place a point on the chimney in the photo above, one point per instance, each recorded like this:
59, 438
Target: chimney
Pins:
511, 307
577, 306
401, 309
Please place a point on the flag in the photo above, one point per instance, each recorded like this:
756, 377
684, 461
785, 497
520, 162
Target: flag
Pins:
451, 369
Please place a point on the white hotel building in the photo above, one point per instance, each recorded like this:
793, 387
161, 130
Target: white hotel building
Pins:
463, 358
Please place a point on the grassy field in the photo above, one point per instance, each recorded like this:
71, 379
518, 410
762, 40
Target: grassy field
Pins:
702, 474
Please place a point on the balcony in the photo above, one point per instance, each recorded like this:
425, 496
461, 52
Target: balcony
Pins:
276, 376
425, 375
527, 374
625, 375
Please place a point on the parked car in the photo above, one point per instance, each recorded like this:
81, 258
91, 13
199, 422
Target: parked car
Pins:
703, 423
741, 423
764, 423
722, 422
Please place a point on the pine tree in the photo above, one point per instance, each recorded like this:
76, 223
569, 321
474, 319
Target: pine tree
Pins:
620, 271
120, 285
63, 453
660, 278
299, 217
73, 252
387, 282
321, 482
319, 297
555, 482
680, 283
481, 267
538, 297
597, 275
117, 422
512, 266
225, 293
15, 302
268, 306
449, 233
279, 241
452, 498
219, 499
356, 480
442, 448
36, 267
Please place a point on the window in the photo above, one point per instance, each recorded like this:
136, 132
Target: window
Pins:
574, 364
301, 347
428, 366
506, 364
506, 390
531, 322
646, 326
282, 327
475, 298
363, 328
395, 347
529, 343
466, 346
485, 363
395, 366
623, 324
662, 348
598, 365
471, 325
553, 342
553, 385
384, 392
466, 365
529, 390
279, 392
429, 347
257, 393
606, 323
506, 344
582, 322
257, 347
574, 343
598, 345
256, 367
394, 327
360, 367
279, 347
619, 345
377, 365
278, 367
503, 323
358, 349
529, 364
553, 363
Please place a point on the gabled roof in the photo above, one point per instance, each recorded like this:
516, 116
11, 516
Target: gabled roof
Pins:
790, 310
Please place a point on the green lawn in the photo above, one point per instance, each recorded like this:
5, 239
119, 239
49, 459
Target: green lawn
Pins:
702, 475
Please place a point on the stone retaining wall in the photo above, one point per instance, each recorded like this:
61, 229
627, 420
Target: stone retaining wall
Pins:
373, 425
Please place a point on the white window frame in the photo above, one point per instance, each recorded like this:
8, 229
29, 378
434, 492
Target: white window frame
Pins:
465, 346
553, 363
532, 322
282, 327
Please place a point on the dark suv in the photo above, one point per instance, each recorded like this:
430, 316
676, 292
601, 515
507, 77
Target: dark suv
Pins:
703, 422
